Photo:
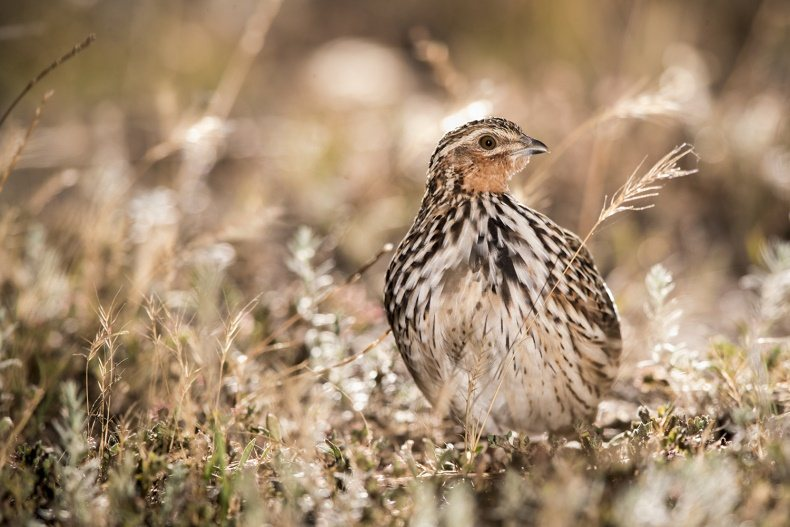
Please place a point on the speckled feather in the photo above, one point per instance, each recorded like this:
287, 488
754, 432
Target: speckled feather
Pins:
485, 290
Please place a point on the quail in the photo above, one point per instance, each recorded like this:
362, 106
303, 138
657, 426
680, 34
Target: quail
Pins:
499, 314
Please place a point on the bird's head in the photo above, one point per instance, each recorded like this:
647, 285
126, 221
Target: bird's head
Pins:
482, 156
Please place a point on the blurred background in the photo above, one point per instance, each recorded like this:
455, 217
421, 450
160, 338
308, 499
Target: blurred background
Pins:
197, 116
208, 171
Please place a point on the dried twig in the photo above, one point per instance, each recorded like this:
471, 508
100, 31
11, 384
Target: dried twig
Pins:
32, 404
240, 63
46, 71
287, 374
386, 248
15, 158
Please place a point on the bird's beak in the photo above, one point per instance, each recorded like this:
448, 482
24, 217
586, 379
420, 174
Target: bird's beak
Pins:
531, 147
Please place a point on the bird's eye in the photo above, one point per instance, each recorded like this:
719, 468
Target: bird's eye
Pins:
487, 142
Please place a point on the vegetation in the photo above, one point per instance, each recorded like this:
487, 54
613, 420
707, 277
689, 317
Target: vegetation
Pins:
195, 224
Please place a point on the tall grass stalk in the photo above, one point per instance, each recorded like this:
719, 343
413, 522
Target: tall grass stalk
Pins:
104, 350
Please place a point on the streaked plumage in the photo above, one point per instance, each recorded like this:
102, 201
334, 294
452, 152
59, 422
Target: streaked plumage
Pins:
483, 288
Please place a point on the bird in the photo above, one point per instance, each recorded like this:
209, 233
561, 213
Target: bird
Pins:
500, 314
